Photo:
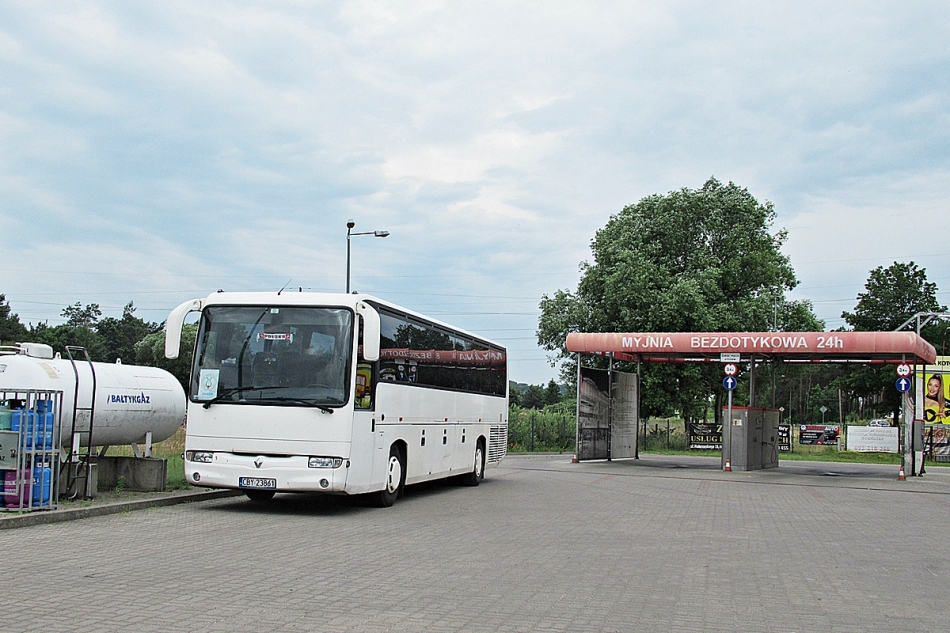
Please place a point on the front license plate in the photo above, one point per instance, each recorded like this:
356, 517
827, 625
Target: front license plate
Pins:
257, 482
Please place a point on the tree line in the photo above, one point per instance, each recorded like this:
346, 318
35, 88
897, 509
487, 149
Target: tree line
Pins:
534, 396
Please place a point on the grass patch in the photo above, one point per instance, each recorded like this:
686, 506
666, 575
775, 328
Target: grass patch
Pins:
833, 455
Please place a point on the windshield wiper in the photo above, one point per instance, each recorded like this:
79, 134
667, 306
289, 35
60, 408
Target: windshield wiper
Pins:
303, 401
233, 390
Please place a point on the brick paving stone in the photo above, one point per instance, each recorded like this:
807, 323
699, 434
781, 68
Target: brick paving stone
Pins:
659, 544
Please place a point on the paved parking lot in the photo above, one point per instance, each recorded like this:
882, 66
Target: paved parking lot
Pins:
663, 544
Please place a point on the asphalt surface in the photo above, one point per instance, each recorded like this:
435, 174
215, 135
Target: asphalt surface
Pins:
659, 544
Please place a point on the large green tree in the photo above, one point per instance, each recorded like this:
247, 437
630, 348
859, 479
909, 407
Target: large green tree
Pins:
693, 260
78, 316
119, 336
891, 296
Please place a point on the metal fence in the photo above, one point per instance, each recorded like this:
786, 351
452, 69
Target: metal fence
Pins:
663, 434
531, 430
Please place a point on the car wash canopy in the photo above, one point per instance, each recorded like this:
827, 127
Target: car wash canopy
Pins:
856, 347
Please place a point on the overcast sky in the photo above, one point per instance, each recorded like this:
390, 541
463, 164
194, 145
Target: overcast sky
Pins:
158, 151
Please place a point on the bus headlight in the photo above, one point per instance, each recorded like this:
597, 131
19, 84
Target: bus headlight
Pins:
201, 457
325, 462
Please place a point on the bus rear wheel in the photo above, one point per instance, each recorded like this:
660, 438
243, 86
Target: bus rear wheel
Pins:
478, 469
395, 475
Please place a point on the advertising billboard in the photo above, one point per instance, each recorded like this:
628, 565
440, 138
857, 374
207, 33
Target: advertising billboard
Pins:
705, 436
825, 434
872, 439
937, 391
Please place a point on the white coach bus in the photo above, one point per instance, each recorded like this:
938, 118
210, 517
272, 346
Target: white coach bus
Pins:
336, 393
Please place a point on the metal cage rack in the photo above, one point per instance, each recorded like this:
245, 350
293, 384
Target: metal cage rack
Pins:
30, 449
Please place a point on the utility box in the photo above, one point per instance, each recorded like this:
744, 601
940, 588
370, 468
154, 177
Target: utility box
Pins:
9, 444
750, 438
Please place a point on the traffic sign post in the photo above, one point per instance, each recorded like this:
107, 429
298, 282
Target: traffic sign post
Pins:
729, 384
912, 459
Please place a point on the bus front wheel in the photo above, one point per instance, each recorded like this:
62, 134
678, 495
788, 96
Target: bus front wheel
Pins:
478, 469
394, 479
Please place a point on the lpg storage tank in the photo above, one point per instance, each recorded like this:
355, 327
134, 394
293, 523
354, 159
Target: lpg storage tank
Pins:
103, 404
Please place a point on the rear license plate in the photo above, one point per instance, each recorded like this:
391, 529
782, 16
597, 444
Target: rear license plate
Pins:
257, 482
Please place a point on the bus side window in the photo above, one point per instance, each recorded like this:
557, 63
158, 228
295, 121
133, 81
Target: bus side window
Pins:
363, 398
364, 386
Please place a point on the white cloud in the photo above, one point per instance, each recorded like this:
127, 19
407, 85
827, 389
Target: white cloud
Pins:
496, 149
195, 146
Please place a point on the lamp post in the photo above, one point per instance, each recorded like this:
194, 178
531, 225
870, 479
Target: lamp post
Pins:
349, 233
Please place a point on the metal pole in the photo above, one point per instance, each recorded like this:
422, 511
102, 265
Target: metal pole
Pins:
752, 381
349, 227
532, 430
349, 232
577, 411
610, 403
636, 451
727, 430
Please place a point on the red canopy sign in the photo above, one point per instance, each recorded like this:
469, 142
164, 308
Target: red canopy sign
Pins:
854, 346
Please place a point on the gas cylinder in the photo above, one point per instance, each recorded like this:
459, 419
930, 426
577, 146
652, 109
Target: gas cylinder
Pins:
9, 488
42, 479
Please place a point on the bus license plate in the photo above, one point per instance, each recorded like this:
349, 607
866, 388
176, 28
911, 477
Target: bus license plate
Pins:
257, 482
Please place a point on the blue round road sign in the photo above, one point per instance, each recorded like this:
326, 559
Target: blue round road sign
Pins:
729, 382
902, 384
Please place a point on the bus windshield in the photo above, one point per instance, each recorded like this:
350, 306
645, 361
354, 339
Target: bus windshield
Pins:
296, 356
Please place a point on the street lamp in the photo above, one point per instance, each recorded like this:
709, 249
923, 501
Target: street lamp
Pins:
349, 233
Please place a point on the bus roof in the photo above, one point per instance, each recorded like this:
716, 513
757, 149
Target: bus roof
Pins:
329, 299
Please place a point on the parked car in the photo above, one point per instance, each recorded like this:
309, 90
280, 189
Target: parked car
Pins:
879, 422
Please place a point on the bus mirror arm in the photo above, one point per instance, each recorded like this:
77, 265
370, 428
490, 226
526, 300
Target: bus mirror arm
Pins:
370, 331
174, 324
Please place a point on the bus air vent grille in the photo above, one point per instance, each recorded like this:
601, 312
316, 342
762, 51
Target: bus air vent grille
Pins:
497, 443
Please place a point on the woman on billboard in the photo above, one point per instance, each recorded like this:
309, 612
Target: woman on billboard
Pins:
934, 400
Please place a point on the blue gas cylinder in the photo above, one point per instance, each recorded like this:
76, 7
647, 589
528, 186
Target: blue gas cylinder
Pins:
42, 480
44, 424
22, 421
49, 430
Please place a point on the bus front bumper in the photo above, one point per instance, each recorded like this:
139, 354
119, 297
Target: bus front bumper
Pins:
264, 472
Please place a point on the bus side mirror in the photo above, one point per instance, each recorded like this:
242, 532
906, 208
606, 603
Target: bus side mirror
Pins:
370, 331
173, 326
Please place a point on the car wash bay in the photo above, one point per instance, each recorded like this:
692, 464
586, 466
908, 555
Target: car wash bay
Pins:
608, 401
